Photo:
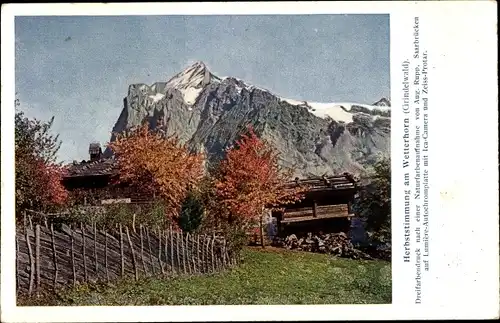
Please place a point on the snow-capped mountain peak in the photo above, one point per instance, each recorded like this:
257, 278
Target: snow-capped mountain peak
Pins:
384, 102
207, 112
191, 81
194, 79
193, 76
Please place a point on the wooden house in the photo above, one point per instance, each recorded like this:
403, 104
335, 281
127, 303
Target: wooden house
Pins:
97, 177
326, 206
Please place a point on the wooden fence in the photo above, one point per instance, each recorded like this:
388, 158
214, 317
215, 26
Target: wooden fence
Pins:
51, 255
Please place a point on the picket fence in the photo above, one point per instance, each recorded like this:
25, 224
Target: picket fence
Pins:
54, 255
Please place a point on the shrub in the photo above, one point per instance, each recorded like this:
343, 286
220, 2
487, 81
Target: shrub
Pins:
191, 213
373, 203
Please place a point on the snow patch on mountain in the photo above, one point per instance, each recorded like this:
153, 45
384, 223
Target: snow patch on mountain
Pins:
341, 111
335, 111
294, 102
157, 97
190, 94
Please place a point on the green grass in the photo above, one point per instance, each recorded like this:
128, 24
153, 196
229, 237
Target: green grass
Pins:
264, 277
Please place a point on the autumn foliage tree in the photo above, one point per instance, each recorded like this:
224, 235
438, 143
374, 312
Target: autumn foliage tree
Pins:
38, 176
250, 178
156, 164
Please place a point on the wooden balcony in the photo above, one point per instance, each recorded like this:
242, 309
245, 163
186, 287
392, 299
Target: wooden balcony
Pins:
315, 213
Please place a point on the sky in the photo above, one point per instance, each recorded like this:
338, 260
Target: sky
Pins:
78, 68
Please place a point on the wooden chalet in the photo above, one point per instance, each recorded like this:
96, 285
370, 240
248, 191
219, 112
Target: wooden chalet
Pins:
97, 175
326, 206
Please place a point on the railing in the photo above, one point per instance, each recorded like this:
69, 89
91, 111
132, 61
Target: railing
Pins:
318, 212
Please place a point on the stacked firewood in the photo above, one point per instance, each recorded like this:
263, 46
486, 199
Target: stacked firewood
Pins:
337, 244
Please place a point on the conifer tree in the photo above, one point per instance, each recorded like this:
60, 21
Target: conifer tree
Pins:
191, 213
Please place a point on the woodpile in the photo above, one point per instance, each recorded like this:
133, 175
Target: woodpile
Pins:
337, 244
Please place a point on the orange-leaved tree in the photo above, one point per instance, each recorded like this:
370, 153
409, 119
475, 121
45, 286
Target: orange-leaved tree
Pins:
250, 178
156, 164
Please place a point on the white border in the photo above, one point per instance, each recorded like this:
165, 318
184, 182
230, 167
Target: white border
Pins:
463, 39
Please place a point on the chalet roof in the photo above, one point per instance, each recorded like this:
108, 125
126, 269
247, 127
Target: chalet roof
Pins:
92, 168
344, 181
109, 166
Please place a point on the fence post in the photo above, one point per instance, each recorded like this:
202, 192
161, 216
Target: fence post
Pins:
106, 254
214, 260
55, 255
133, 254
37, 262
18, 286
121, 252
73, 255
166, 250
171, 248
142, 251
228, 256
31, 223
198, 264
159, 250
95, 252
192, 252
205, 253
150, 252
32, 263
216, 254
25, 222
178, 254
206, 242
84, 252
224, 250
183, 254
210, 254
188, 253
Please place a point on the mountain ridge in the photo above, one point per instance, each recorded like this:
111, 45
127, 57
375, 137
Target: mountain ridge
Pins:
209, 112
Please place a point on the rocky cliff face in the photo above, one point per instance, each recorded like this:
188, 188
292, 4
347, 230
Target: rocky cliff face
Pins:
209, 113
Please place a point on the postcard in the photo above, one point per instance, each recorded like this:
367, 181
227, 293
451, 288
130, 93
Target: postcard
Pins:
249, 161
